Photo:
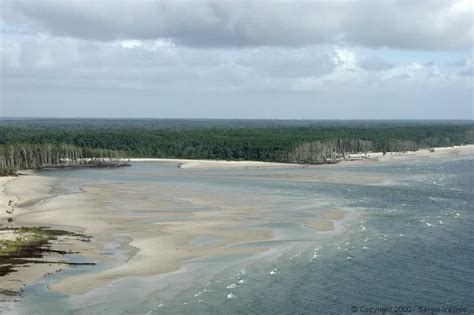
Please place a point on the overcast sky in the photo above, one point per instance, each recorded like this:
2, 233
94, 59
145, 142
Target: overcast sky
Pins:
237, 59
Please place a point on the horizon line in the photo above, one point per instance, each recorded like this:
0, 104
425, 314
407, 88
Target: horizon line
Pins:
223, 118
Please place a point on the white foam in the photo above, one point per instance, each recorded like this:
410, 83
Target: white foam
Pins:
231, 296
365, 248
428, 224
241, 281
274, 271
441, 222
315, 254
231, 286
363, 228
197, 294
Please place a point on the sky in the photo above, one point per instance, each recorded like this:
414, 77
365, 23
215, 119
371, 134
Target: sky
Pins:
279, 59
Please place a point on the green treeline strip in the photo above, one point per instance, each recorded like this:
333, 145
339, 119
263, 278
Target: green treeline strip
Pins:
38, 156
332, 150
287, 141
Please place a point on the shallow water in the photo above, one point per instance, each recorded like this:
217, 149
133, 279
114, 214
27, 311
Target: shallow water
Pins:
407, 241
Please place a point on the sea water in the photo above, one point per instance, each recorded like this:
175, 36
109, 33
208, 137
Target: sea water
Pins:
406, 246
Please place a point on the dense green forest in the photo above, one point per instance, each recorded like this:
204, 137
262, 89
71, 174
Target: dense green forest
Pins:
262, 140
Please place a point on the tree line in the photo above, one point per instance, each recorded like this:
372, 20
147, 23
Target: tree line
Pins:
280, 141
14, 157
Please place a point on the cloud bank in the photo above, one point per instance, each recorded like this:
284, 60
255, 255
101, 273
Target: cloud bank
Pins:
263, 59
436, 24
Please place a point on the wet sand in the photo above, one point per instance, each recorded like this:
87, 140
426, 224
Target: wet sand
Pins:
327, 220
149, 248
156, 242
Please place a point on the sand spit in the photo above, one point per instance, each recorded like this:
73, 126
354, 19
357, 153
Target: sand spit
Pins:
203, 164
442, 152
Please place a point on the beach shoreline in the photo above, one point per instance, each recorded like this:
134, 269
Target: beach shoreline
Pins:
84, 212
439, 152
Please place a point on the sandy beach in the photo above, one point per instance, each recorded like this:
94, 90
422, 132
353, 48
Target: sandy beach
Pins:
203, 164
158, 242
442, 152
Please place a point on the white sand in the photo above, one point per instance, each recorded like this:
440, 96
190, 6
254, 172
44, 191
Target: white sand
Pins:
370, 156
151, 248
186, 163
443, 152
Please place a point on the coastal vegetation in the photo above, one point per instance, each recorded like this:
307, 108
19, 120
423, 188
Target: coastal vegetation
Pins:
46, 155
61, 142
28, 245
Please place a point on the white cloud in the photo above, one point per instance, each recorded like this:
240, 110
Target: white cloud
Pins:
345, 59
129, 43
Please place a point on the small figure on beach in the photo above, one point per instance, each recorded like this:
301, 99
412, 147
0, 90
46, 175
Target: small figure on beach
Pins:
10, 209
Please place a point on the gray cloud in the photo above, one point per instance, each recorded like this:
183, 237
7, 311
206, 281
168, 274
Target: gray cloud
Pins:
309, 62
467, 72
426, 25
375, 64
251, 59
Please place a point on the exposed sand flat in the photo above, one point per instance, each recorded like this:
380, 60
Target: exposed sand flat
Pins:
5, 197
158, 239
25, 274
327, 220
153, 248
320, 225
334, 214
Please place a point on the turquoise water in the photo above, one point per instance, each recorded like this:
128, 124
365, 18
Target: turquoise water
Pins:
408, 242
